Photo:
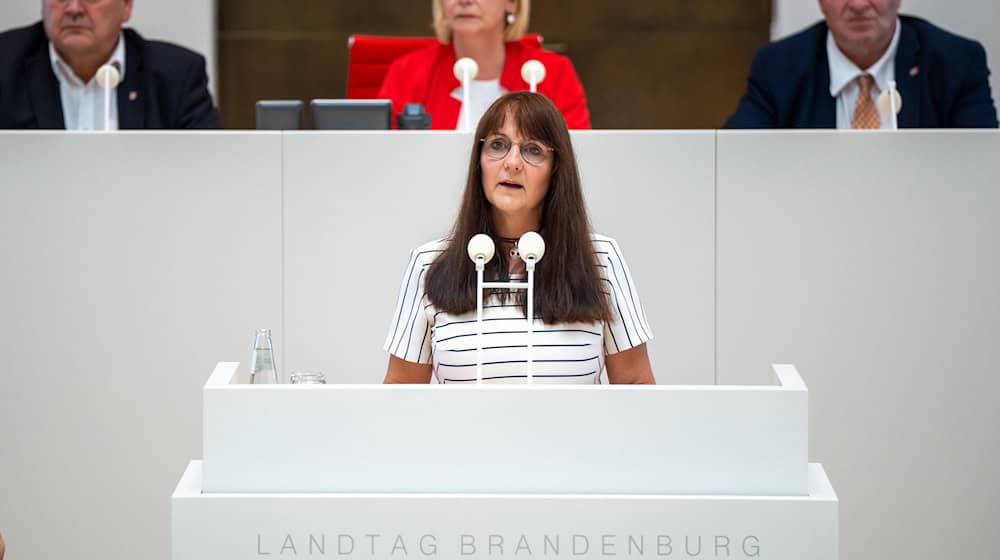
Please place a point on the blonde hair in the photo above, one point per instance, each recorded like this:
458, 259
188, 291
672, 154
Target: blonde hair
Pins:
513, 32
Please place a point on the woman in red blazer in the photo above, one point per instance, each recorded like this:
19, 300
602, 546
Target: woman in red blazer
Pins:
488, 32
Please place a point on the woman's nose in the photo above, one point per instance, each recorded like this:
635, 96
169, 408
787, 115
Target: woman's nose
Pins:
513, 158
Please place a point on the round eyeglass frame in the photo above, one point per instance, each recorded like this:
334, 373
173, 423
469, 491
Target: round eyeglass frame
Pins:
520, 146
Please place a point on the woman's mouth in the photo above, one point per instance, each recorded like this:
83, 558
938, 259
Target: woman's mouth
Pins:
511, 185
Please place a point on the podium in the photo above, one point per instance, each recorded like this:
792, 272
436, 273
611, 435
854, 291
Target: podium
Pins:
377, 471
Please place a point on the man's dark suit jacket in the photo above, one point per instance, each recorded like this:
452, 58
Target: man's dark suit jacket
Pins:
942, 78
165, 86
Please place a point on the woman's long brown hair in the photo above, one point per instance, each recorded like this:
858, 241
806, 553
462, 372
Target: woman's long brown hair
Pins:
567, 283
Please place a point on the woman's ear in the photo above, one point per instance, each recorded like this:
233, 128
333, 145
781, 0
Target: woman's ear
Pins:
511, 7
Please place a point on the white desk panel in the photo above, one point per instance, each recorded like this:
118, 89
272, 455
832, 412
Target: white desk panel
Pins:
131, 263
362, 201
549, 439
881, 282
352, 526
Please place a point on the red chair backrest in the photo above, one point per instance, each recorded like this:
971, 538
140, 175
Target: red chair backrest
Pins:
369, 57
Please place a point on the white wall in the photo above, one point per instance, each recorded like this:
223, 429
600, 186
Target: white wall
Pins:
883, 293
190, 23
118, 295
976, 19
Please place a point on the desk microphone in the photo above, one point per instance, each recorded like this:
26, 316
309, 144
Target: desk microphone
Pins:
481, 246
531, 248
465, 70
890, 103
533, 72
481, 250
108, 77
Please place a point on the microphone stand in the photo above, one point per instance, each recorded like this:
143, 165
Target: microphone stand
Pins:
108, 77
531, 247
465, 100
107, 105
530, 287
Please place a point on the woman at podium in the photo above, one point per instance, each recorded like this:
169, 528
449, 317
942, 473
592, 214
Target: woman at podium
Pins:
588, 320
489, 32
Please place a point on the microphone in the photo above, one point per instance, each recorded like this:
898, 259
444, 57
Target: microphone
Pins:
465, 70
481, 246
481, 250
531, 248
890, 102
108, 77
533, 72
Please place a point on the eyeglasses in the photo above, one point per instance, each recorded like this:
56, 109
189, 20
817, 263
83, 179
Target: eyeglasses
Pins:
497, 147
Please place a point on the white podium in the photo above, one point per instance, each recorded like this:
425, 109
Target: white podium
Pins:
374, 471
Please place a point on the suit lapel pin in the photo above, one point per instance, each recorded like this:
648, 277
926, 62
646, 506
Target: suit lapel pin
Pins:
914, 71
133, 95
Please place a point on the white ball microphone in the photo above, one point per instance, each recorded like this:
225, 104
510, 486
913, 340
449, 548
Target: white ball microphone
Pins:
108, 77
531, 248
533, 72
465, 70
890, 103
481, 246
481, 250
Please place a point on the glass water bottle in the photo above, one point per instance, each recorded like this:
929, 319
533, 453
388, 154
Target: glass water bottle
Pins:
262, 368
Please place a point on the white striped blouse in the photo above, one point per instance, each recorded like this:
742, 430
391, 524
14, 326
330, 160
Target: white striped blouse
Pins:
563, 353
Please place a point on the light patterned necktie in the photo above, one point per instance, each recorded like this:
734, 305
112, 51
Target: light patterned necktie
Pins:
865, 113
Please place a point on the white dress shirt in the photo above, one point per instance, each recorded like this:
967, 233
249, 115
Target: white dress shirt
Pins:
83, 104
843, 73
482, 94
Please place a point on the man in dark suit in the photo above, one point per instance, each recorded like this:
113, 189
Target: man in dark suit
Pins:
831, 74
47, 73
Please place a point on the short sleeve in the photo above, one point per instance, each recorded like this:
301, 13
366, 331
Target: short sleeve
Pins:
409, 336
628, 327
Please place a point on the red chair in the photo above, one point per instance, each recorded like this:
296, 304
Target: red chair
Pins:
369, 57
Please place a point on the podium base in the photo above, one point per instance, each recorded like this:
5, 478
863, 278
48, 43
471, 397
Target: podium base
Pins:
355, 526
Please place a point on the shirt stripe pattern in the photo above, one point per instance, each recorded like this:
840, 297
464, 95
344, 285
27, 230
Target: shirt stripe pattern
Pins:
563, 353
